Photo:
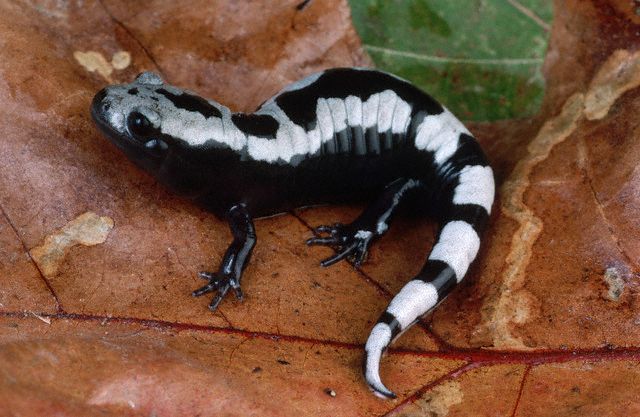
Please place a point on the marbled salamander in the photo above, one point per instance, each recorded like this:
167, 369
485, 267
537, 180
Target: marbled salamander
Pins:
340, 135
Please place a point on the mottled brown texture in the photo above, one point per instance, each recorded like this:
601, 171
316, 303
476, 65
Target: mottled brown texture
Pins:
484, 391
23, 286
115, 366
546, 324
581, 388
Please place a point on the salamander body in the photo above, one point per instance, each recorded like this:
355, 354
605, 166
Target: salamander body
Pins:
345, 134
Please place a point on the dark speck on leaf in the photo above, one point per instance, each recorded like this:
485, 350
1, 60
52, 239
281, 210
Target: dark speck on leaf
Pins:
302, 5
283, 362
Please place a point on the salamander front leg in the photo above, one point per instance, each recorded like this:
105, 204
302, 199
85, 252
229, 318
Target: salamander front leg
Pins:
351, 241
235, 258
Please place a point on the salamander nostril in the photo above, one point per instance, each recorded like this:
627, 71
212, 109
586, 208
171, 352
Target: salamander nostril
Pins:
98, 103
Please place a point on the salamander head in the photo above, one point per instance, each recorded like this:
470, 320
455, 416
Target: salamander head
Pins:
147, 119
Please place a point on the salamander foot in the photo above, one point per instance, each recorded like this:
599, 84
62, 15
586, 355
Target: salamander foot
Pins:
349, 241
218, 282
234, 260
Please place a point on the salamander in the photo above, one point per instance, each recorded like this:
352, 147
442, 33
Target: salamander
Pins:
341, 135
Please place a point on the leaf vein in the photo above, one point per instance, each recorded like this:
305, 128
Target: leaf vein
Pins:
452, 60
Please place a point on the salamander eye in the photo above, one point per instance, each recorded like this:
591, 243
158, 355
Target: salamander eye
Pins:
139, 125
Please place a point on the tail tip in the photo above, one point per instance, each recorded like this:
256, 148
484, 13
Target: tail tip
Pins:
378, 341
381, 391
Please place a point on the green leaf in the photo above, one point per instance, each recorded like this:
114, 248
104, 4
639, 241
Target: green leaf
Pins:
481, 58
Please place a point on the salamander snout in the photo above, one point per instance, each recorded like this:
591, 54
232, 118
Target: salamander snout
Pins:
99, 106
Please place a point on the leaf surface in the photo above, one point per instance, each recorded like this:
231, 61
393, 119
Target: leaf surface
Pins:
97, 261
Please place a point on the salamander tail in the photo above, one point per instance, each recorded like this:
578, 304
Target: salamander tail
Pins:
381, 336
416, 298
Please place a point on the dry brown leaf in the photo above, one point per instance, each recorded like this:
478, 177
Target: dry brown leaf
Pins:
547, 323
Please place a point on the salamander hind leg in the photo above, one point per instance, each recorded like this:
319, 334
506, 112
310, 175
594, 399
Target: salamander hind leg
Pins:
351, 241
235, 258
